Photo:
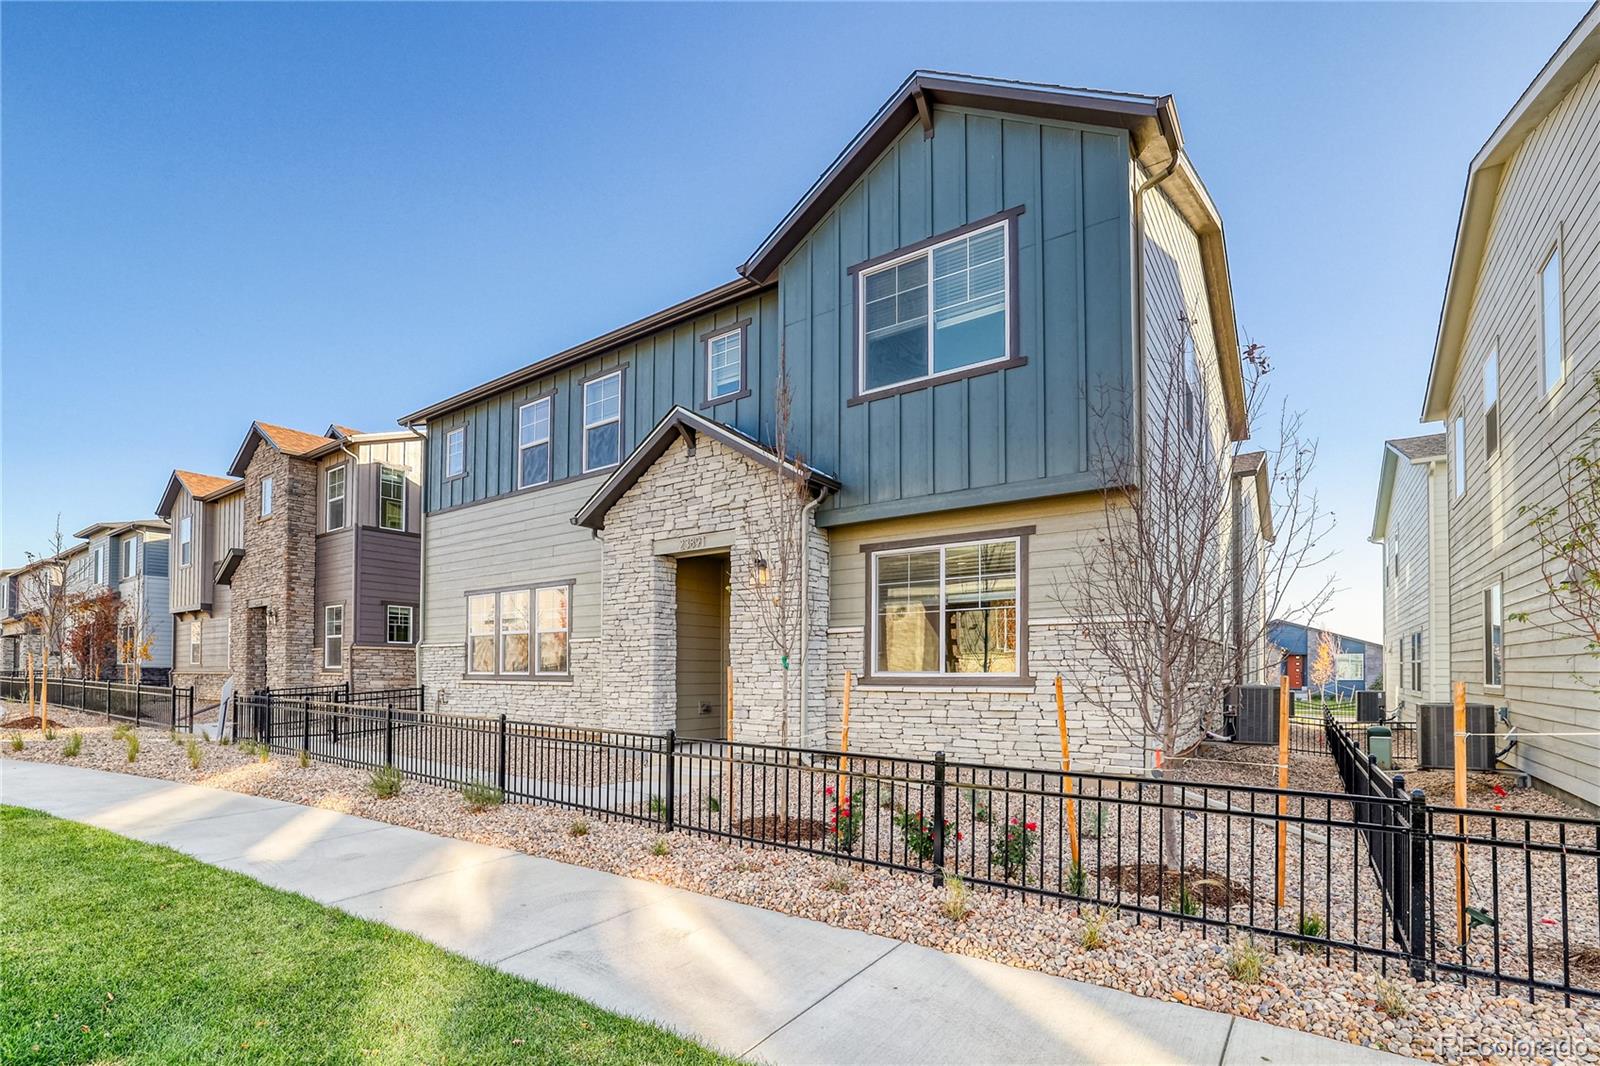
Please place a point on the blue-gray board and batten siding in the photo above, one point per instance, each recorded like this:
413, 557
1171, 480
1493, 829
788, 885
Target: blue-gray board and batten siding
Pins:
1021, 432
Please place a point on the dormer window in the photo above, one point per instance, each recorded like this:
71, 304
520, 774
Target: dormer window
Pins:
937, 310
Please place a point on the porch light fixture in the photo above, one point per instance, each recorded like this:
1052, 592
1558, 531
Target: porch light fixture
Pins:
763, 572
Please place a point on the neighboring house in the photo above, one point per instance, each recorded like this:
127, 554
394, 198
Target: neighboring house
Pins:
130, 559
957, 298
301, 566
1518, 344
1251, 535
1411, 523
206, 515
1355, 664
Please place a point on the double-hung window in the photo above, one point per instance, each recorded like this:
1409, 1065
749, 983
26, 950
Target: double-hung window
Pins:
1491, 404
455, 452
946, 609
130, 557
266, 497
602, 421
392, 498
514, 632
335, 496
554, 628
940, 309
333, 636
518, 632
533, 443
398, 624
725, 363
1550, 312
185, 540
1493, 637
481, 633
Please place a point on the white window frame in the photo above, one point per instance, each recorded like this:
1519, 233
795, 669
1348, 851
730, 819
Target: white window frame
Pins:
343, 470
546, 440
736, 331
1553, 256
1458, 455
196, 641
455, 459
942, 548
1494, 600
539, 631
266, 496
389, 619
384, 470
130, 557
100, 570
185, 540
927, 251
587, 425
329, 612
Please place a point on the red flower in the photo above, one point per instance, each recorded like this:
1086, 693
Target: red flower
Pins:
1498, 791
960, 837
828, 791
1031, 826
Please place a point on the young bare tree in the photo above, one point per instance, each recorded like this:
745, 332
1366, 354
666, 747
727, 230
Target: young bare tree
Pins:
44, 598
1157, 580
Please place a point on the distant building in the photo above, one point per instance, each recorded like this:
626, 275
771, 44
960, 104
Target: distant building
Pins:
1357, 664
1411, 521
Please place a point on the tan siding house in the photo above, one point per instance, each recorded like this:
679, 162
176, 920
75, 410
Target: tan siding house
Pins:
1519, 340
1411, 523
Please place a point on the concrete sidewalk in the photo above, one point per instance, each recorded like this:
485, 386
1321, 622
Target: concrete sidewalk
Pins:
748, 981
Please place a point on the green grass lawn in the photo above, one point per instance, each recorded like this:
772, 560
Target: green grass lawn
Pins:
117, 951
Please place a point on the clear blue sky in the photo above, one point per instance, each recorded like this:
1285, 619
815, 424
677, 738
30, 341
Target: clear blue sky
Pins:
317, 213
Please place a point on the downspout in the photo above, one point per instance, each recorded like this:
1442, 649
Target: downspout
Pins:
355, 566
422, 560
805, 613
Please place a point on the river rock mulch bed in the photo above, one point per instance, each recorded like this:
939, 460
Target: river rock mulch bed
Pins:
1163, 962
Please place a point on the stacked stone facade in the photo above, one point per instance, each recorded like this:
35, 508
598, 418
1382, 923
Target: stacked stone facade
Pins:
274, 587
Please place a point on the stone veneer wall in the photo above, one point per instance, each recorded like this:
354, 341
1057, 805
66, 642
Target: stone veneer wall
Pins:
278, 572
372, 667
207, 685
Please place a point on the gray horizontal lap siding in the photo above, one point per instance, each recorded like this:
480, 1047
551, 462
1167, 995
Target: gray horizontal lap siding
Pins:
1012, 433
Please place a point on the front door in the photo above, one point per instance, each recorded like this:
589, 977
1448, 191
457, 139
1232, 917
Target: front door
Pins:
702, 646
1297, 672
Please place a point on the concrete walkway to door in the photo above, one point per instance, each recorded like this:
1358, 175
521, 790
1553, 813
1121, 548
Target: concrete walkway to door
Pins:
751, 982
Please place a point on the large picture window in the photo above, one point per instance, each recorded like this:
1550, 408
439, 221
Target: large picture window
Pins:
946, 609
519, 632
939, 309
392, 498
602, 422
334, 496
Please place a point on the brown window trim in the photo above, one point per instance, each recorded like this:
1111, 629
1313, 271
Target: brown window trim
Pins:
1023, 678
1014, 356
532, 673
707, 401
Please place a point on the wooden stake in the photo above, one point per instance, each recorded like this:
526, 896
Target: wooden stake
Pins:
1283, 783
44, 693
1066, 769
30, 685
844, 735
1461, 801
729, 745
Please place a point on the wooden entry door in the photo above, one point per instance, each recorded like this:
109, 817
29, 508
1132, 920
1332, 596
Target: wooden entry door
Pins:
702, 646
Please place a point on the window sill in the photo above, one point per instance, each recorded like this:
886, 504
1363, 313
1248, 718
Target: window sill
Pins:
949, 683
493, 679
919, 384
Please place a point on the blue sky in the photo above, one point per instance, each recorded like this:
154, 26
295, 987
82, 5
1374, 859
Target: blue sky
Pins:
317, 213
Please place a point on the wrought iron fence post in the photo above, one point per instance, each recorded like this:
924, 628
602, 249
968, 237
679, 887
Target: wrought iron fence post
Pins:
388, 733
1419, 885
500, 770
136, 707
305, 724
671, 784
938, 816
108, 697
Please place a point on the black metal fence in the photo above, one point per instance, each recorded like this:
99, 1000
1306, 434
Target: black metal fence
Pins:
156, 705
409, 700
1309, 736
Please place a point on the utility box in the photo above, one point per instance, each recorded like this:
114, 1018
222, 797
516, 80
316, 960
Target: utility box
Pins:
1437, 738
1254, 711
1380, 745
1369, 706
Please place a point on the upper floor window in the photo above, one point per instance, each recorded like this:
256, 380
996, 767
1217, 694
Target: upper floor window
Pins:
392, 498
1459, 454
1191, 375
455, 452
130, 556
185, 541
533, 442
100, 565
1555, 367
334, 496
938, 309
1491, 404
725, 362
602, 421
946, 609
1416, 662
266, 497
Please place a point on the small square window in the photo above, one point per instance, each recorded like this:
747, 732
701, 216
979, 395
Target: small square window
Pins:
399, 624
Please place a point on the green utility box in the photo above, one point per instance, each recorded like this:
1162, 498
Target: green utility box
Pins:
1380, 745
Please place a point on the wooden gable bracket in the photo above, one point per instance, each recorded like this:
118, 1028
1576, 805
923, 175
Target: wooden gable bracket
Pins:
688, 435
924, 115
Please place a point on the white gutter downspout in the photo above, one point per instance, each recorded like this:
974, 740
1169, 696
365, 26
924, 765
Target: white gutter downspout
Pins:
355, 563
805, 615
422, 560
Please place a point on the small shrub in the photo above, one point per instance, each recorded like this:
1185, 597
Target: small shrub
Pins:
956, 904
1311, 925
304, 760
1076, 879
50, 734
1244, 961
120, 730
1092, 937
579, 828
73, 745
263, 753
480, 797
133, 746
16, 741
192, 749
660, 847
172, 735
1011, 849
658, 807
1185, 902
1392, 999
384, 782
844, 824
713, 804
836, 883
919, 831
1095, 820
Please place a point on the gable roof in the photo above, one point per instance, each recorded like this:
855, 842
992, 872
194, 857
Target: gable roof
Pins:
113, 528
1575, 58
291, 442
1428, 448
200, 486
679, 422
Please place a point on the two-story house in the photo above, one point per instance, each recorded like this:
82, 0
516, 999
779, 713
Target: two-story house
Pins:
130, 560
300, 567
955, 299
1411, 523
1518, 344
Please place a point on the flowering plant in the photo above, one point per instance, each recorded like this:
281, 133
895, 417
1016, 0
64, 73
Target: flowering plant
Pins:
844, 823
1012, 847
919, 831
